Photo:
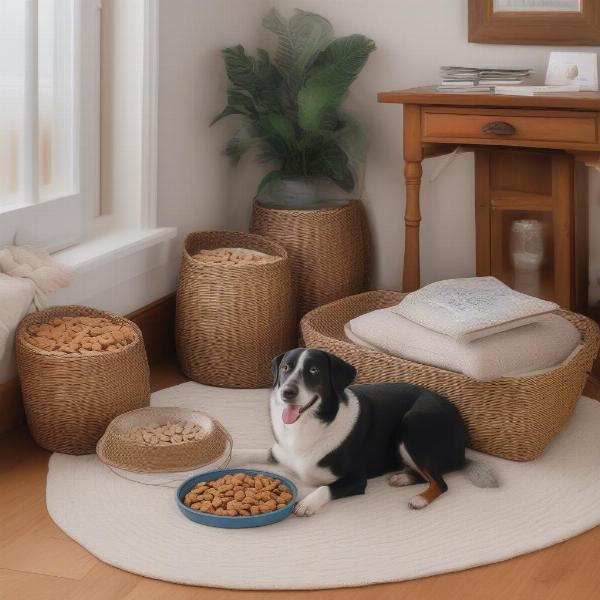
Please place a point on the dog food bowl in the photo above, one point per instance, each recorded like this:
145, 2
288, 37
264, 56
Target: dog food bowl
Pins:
237, 522
162, 465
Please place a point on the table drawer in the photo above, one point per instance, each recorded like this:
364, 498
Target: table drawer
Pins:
536, 128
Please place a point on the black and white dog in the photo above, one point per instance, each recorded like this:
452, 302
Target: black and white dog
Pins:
336, 437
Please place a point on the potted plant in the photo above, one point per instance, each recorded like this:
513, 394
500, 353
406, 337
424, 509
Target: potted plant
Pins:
292, 107
292, 116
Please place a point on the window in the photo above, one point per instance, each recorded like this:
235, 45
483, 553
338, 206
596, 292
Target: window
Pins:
49, 120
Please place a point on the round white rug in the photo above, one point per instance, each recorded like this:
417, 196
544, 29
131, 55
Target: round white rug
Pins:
355, 541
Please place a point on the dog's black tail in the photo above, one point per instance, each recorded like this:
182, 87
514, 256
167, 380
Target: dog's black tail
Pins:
480, 474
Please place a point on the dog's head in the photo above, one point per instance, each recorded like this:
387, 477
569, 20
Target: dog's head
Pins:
310, 383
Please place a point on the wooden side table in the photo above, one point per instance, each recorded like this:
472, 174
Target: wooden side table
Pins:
544, 136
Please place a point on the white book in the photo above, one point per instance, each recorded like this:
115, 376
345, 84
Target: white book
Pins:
458, 83
501, 81
465, 90
532, 90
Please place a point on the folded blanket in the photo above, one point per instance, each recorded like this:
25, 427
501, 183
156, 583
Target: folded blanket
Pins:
27, 275
36, 266
527, 349
16, 296
471, 308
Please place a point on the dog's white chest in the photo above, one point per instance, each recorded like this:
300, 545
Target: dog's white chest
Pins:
306, 466
304, 444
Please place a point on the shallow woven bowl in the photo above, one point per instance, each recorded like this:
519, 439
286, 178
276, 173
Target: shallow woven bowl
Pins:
116, 450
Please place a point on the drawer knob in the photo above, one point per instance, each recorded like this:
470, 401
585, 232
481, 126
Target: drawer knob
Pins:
499, 128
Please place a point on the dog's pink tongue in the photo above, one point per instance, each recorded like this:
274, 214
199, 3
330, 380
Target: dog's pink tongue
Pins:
290, 414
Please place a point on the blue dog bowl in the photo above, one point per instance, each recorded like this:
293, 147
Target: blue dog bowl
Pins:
228, 522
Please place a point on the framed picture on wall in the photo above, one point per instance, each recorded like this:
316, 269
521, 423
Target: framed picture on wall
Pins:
541, 22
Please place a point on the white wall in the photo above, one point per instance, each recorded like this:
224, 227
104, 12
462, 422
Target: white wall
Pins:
197, 188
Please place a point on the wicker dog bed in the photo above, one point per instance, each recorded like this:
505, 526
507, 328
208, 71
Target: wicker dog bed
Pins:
509, 417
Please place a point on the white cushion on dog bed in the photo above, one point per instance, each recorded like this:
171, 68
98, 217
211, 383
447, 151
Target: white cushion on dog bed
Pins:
532, 347
471, 308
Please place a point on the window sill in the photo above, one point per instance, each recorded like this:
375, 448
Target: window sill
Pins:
102, 249
120, 258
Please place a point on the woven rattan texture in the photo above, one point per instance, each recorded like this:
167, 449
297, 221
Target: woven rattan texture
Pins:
117, 450
70, 399
510, 417
329, 249
231, 320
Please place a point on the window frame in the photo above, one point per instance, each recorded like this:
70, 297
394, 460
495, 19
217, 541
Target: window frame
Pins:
65, 219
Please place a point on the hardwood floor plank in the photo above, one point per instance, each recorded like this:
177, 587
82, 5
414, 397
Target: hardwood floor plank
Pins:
103, 582
53, 555
16, 585
160, 590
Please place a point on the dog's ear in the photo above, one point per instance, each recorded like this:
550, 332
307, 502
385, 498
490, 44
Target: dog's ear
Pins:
275, 368
341, 373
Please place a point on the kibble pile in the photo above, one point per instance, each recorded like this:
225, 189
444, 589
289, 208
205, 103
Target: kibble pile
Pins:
80, 335
239, 495
234, 256
166, 435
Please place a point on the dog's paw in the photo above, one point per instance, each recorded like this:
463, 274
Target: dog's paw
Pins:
401, 479
305, 509
310, 505
418, 502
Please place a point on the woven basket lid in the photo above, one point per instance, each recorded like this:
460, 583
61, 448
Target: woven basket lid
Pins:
119, 452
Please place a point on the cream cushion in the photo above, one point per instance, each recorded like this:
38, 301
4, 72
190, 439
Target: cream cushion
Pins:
526, 349
471, 308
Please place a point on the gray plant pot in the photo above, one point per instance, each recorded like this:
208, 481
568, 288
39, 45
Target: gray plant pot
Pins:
293, 193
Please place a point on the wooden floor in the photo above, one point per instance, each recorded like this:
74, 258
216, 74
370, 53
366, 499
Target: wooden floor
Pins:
39, 562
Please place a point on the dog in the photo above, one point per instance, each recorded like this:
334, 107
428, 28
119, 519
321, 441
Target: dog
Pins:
337, 436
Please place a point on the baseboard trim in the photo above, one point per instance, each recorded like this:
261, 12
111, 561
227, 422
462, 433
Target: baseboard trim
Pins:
157, 324
11, 405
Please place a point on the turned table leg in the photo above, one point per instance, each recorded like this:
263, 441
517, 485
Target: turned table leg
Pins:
413, 155
412, 219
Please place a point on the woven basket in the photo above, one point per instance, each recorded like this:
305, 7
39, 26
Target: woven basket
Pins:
70, 399
117, 450
232, 319
329, 249
510, 417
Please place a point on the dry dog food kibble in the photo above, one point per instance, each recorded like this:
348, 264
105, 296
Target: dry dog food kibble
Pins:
166, 435
239, 494
234, 256
80, 335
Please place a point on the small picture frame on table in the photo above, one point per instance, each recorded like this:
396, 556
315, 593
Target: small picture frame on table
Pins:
578, 68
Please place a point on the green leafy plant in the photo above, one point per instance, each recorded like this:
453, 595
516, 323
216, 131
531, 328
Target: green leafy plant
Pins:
292, 107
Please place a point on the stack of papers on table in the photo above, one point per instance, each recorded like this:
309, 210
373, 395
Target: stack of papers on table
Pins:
477, 79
